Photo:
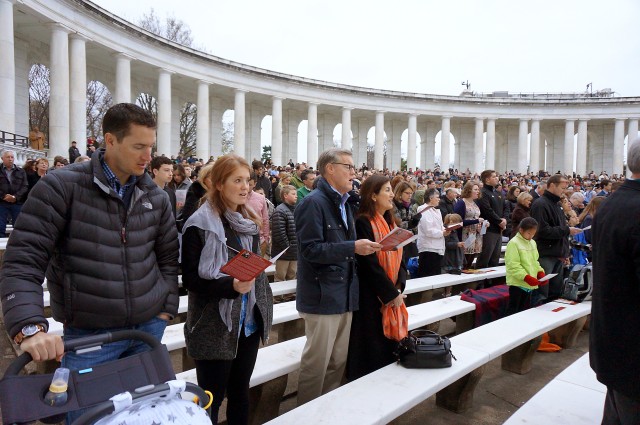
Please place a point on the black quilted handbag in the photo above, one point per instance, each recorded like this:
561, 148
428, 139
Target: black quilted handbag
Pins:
423, 349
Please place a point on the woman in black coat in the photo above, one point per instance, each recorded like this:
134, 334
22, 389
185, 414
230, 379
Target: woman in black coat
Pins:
369, 349
402, 195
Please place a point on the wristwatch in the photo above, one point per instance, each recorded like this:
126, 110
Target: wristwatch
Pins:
27, 331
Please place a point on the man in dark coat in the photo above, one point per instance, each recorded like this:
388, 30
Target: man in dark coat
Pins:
327, 286
13, 190
491, 207
104, 234
615, 313
553, 234
262, 181
446, 202
74, 152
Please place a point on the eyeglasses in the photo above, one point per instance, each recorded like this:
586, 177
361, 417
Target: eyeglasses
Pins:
349, 166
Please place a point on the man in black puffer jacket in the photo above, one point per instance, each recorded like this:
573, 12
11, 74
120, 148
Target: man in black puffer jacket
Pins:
105, 235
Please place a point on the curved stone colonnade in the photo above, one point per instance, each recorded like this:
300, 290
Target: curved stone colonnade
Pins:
80, 42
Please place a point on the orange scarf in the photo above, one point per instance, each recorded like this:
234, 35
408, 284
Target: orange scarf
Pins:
389, 260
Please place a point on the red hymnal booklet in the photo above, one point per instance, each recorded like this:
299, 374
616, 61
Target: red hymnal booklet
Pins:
245, 266
397, 238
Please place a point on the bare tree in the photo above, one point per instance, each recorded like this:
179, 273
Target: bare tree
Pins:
149, 103
172, 28
99, 100
39, 94
188, 130
227, 137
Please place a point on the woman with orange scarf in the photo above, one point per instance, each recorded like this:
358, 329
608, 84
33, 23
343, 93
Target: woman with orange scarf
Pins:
382, 276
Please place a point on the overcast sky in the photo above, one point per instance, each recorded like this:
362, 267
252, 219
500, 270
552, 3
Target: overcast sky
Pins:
426, 46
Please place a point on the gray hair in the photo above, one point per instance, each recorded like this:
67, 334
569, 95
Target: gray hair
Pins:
6, 151
633, 157
329, 156
577, 196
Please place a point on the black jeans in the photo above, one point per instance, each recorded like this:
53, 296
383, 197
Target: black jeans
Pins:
620, 409
519, 300
429, 264
232, 377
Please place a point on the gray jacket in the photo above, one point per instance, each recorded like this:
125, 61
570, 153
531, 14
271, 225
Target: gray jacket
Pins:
106, 266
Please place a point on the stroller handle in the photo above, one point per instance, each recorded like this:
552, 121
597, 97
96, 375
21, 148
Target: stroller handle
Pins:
87, 342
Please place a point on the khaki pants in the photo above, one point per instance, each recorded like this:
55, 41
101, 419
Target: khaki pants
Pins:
285, 270
325, 354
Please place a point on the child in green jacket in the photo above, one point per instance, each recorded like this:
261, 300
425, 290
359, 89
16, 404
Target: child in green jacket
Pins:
522, 264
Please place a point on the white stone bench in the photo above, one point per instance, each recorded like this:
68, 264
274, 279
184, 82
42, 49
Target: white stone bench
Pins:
573, 397
276, 361
405, 388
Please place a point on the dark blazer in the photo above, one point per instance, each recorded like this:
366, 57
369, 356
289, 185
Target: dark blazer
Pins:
327, 279
491, 207
552, 237
613, 344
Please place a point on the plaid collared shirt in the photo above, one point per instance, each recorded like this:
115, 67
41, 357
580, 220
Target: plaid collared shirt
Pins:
114, 182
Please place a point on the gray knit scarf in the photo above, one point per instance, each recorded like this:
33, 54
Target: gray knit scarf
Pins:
215, 253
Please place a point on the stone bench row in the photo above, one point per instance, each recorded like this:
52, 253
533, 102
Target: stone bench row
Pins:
276, 362
574, 396
516, 335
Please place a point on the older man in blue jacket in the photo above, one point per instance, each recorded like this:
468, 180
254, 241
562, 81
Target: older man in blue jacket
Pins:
327, 290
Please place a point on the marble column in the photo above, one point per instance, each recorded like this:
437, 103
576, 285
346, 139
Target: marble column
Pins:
347, 141
411, 142
7, 68
523, 132
276, 132
569, 132
215, 129
581, 157
123, 79
477, 146
78, 89
618, 147
633, 130
312, 135
445, 140
202, 121
239, 124
490, 156
164, 113
59, 95
378, 148
534, 159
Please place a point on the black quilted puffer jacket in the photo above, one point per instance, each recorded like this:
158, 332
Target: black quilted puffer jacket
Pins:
106, 266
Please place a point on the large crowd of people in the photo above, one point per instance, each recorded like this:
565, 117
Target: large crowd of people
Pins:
122, 208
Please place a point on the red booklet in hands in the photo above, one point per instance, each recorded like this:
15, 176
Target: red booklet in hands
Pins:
245, 266
397, 238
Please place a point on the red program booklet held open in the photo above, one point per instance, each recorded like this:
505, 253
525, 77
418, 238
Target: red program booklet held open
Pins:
247, 265
397, 238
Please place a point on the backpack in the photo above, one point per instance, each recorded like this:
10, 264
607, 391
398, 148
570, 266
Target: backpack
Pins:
579, 284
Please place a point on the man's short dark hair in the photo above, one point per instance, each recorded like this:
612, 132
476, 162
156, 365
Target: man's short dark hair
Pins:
305, 173
604, 183
556, 179
528, 223
119, 118
159, 161
257, 164
485, 175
